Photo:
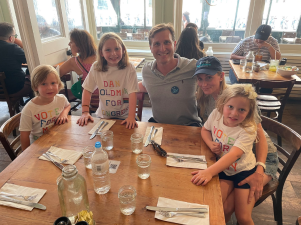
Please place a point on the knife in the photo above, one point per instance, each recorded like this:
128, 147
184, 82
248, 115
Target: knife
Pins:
149, 136
167, 209
103, 126
31, 204
60, 166
95, 132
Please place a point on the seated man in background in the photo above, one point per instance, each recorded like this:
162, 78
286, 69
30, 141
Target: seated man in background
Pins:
11, 58
261, 43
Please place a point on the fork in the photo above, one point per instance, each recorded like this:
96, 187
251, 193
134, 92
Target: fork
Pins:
61, 160
25, 197
172, 214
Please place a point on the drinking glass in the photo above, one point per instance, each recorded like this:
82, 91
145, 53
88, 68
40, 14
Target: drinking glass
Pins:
87, 152
107, 139
137, 143
143, 162
274, 65
127, 199
242, 64
258, 57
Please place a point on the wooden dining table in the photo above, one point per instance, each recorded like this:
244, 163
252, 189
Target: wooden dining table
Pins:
253, 77
164, 181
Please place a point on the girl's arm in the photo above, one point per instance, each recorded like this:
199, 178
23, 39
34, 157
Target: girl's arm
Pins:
63, 117
204, 176
24, 137
85, 117
207, 137
130, 121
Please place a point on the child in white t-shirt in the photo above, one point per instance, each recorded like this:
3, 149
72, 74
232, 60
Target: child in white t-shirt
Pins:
232, 128
116, 79
46, 109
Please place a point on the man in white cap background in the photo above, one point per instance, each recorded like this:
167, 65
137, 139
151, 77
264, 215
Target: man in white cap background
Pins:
262, 42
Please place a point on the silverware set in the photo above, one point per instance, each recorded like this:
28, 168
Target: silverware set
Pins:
60, 166
99, 128
171, 212
25, 197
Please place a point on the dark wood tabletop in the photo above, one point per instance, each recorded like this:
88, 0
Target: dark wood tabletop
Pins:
253, 77
169, 182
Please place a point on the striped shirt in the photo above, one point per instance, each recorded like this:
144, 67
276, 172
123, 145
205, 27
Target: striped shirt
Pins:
248, 44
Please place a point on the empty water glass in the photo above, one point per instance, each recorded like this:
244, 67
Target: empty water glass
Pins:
87, 153
143, 162
137, 143
127, 199
242, 64
107, 139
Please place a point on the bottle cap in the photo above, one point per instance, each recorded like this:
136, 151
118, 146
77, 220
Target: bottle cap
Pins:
97, 144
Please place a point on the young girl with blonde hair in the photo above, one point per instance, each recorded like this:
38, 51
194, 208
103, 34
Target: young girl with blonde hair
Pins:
46, 109
116, 79
232, 128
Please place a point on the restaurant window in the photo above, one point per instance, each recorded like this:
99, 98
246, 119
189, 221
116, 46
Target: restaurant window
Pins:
74, 14
130, 19
284, 16
47, 18
218, 21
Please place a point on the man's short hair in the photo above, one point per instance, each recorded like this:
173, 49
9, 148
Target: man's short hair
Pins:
161, 27
6, 30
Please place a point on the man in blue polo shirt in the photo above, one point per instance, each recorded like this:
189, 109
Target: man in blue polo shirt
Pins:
168, 80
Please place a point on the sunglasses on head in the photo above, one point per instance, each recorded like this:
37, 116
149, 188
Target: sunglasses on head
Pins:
160, 151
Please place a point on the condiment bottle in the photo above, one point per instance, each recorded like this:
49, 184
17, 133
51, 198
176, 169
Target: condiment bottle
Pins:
209, 52
72, 191
249, 62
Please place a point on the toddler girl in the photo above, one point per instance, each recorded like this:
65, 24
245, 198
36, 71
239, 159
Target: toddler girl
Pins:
46, 109
116, 81
231, 128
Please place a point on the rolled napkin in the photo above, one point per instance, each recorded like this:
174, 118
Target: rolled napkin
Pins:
181, 219
172, 162
21, 190
71, 155
158, 136
110, 124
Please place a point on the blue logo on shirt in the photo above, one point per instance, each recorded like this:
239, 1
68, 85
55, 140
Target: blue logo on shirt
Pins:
175, 90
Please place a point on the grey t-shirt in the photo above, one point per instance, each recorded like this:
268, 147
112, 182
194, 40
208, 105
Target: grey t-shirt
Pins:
173, 95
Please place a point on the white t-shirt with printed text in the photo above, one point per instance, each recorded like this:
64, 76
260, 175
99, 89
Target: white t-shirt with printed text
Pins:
239, 137
40, 118
114, 87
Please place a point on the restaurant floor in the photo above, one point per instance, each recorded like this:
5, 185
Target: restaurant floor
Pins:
263, 214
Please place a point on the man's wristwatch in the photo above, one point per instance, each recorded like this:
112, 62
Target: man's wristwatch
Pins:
261, 164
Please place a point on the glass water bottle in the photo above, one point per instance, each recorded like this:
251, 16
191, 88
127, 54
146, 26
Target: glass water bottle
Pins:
72, 191
249, 62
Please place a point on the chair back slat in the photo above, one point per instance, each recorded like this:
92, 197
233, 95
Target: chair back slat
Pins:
282, 150
281, 161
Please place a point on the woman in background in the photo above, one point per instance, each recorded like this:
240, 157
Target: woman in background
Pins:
188, 45
81, 44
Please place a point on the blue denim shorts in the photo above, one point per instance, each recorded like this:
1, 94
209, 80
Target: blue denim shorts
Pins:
272, 164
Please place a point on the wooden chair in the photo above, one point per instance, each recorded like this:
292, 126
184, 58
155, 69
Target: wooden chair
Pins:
274, 103
140, 98
122, 35
12, 103
287, 160
67, 92
12, 148
138, 36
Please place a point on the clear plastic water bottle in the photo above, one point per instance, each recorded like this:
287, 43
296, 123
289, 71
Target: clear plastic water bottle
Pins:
209, 52
250, 59
100, 169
